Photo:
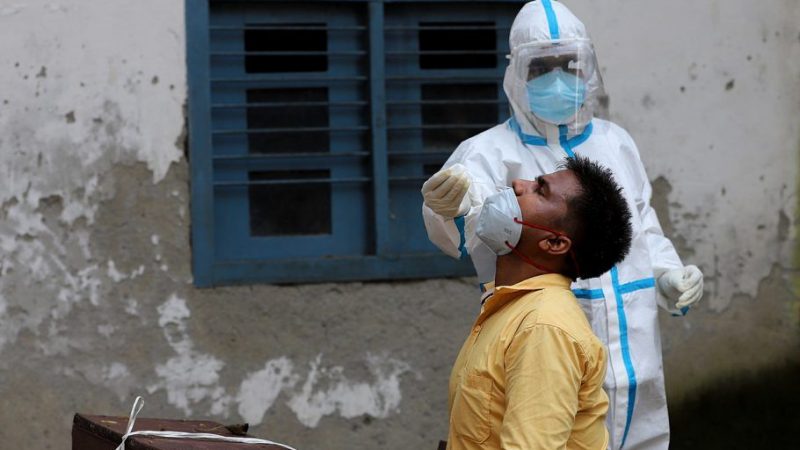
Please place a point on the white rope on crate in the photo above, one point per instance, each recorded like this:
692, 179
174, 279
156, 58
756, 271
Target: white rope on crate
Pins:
139, 403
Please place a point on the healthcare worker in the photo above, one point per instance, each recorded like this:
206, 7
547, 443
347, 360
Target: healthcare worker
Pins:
553, 84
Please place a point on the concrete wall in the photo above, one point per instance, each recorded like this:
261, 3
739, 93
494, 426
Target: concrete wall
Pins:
96, 297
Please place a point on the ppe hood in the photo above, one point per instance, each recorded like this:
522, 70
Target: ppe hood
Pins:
546, 35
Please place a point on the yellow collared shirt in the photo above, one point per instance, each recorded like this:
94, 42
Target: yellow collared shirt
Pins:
530, 374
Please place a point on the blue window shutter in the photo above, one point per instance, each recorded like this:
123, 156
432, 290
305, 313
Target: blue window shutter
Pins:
314, 124
199, 142
380, 169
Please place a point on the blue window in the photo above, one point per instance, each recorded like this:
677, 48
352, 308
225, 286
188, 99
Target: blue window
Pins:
313, 125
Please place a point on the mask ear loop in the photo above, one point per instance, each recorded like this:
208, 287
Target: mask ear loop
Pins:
530, 261
540, 227
525, 258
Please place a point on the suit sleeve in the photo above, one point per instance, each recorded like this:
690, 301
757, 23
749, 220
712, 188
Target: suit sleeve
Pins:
543, 380
456, 237
663, 255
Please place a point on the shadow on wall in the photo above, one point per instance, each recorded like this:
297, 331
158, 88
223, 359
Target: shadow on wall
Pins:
760, 411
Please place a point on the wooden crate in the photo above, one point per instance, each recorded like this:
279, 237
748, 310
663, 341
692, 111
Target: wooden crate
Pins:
90, 432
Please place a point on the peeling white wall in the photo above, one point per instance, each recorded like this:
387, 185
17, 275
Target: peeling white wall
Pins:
348, 398
190, 376
313, 390
89, 87
709, 91
96, 300
86, 85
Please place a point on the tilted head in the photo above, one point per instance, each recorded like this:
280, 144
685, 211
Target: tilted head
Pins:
574, 221
552, 76
599, 218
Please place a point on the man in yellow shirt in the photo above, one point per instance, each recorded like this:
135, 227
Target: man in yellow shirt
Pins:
530, 374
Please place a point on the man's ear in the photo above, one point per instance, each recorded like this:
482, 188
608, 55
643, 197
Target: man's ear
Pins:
556, 244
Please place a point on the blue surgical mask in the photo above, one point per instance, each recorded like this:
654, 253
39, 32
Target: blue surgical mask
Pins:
556, 96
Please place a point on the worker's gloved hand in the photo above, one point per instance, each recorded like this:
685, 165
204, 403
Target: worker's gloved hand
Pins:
445, 192
685, 285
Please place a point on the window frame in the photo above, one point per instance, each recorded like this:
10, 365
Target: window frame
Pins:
381, 263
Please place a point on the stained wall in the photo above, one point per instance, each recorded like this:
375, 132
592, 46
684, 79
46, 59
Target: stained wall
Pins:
97, 303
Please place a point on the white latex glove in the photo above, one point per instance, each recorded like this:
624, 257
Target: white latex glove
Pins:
684, 284
445, 192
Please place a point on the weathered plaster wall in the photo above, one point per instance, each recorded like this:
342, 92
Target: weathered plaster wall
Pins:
96, 301
711, 92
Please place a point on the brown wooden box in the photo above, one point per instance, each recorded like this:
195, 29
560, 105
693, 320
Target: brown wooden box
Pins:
105, 433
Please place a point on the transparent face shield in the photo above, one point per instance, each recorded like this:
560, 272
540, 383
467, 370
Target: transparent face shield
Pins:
574, 56
559, 80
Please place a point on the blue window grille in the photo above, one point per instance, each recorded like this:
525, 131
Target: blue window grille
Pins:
312, 125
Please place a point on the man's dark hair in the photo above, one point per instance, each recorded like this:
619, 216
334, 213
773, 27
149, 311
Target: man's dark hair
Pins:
599, 219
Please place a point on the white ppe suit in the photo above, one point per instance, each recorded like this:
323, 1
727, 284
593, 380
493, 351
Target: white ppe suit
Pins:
621, 304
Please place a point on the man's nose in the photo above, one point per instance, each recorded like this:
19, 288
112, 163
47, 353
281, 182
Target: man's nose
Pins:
522, 187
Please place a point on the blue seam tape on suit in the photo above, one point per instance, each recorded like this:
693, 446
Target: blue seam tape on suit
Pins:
626, 353
459, 221
525, 138
627, 288
529, 139
575, 141
588, 294
552, 21
644, 283
562, 138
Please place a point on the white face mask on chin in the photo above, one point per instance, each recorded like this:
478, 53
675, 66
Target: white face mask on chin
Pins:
496, 226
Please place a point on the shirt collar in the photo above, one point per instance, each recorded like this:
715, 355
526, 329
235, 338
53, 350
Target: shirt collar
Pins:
503, 294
